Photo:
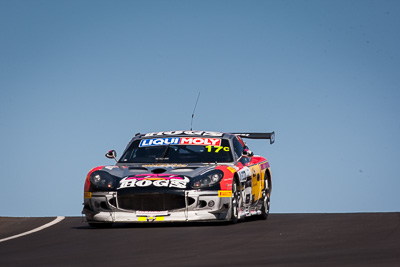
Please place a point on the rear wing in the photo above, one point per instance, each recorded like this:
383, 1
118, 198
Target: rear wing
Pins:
270, 136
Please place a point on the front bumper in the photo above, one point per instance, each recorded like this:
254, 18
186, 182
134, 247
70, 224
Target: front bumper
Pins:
185, 206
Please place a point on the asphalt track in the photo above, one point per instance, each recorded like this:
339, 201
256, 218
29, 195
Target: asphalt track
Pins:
358, 239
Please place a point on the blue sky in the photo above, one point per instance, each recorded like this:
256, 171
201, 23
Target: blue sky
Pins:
78, 78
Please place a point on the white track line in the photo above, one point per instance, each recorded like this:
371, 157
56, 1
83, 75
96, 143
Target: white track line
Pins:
56, 220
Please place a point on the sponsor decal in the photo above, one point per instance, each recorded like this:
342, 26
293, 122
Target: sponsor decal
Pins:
243, 134
87, 195
264, 165
201, 133
165, 165
200, 141
157, 180
217, 148
225, 193
180, 141
255, 212
150, 219
151, 213
232, 170
159, 141
244, 173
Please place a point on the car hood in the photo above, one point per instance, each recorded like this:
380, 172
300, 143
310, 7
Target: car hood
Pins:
188, 170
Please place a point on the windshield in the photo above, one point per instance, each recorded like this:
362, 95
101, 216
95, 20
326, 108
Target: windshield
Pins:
178, 150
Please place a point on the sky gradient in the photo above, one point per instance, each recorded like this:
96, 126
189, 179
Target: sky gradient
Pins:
79, 78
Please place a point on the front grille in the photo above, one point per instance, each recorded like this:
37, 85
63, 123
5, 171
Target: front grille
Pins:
153, 202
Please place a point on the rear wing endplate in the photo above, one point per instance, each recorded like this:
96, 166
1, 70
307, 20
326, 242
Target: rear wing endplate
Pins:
270, 136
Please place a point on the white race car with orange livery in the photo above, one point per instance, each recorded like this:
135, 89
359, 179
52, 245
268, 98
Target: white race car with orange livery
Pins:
180, 176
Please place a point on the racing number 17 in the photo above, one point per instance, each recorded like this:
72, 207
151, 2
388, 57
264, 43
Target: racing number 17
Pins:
217, 148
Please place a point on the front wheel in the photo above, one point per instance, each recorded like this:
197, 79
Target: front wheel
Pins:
234, 203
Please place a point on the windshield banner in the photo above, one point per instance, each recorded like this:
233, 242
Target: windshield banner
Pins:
180, 141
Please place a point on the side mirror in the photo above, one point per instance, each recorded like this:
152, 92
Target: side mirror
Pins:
247, 152
112, 155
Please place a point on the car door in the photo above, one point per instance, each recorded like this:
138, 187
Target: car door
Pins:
256, 180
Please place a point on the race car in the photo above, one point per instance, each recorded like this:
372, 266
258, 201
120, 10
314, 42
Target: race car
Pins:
180, 176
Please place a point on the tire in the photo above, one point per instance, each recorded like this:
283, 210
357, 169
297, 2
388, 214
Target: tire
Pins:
100, 225
234, 203
265, 200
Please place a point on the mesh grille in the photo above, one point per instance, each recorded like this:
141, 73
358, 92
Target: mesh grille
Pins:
153, 202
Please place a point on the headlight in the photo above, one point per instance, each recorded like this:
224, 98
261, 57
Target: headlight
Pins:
208, 179
102, 181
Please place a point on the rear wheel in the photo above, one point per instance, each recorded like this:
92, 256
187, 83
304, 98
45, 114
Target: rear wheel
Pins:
234, 203
265, 200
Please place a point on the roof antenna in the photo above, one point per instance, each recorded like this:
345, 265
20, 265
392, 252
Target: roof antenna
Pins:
191, 123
